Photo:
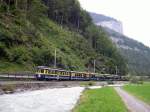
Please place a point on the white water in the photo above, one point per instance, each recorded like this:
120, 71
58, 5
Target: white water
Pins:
49, 100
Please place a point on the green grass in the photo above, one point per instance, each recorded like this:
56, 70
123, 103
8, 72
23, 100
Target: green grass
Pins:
141, 91
100, 100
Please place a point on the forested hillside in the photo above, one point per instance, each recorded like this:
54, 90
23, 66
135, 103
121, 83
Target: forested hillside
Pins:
31, 30
136, 54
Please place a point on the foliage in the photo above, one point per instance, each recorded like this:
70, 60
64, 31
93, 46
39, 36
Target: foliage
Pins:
136, 80
68, 12
110, 82
100, 100
135, 53
31, 30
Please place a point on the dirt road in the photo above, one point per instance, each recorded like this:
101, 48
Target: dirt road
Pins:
133, 104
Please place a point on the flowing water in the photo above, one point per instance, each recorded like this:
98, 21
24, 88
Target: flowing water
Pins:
48, 100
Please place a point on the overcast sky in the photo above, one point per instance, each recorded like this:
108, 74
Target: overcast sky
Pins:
134, 14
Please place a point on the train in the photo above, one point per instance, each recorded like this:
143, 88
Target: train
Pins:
46, 73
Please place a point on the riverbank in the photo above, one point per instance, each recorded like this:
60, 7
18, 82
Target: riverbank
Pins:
8, 87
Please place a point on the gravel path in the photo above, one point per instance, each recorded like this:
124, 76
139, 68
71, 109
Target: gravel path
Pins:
132, 103
48, 100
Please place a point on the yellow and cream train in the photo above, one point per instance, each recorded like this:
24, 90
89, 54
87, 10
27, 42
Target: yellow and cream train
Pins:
46, 73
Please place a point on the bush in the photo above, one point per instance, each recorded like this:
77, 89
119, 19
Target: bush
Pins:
91, 83
8, 88
19, 54
110, 82
136, 80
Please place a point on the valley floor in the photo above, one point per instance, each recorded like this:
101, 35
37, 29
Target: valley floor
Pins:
100, 100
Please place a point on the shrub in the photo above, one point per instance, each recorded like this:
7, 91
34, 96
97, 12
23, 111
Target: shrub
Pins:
136, 80
110, 82
8, 88
91, 83
19, 54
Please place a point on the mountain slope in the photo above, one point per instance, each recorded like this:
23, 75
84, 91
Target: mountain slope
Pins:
105, 21
100, 17
31, 31
136, 54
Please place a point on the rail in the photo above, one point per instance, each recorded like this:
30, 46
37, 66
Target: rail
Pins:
18, 75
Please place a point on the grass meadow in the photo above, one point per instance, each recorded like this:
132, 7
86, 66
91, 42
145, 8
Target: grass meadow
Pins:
100, 100
142, 91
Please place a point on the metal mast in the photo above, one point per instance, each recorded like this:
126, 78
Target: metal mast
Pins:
55, 59
94, 65
116, 70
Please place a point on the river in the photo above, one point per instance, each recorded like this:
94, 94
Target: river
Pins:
47, 100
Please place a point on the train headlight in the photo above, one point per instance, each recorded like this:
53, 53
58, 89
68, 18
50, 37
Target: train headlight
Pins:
39, 75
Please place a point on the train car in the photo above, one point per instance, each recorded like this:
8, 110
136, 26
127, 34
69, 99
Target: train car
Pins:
45, 73
80, 75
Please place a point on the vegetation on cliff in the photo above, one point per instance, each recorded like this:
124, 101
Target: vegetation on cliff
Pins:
31, 30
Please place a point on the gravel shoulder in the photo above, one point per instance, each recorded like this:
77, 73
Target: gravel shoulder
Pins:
133, 104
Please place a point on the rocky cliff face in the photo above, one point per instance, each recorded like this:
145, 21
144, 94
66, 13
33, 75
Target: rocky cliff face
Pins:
114, 25
136, 54
107, 22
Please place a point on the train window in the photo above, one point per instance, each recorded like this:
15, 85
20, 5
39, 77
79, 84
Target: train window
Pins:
42, 71
76, 74
39, 71
60, 73
53, 71
49, 71
56, 72
46, 71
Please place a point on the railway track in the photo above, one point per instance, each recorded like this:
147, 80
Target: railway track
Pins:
17, 76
